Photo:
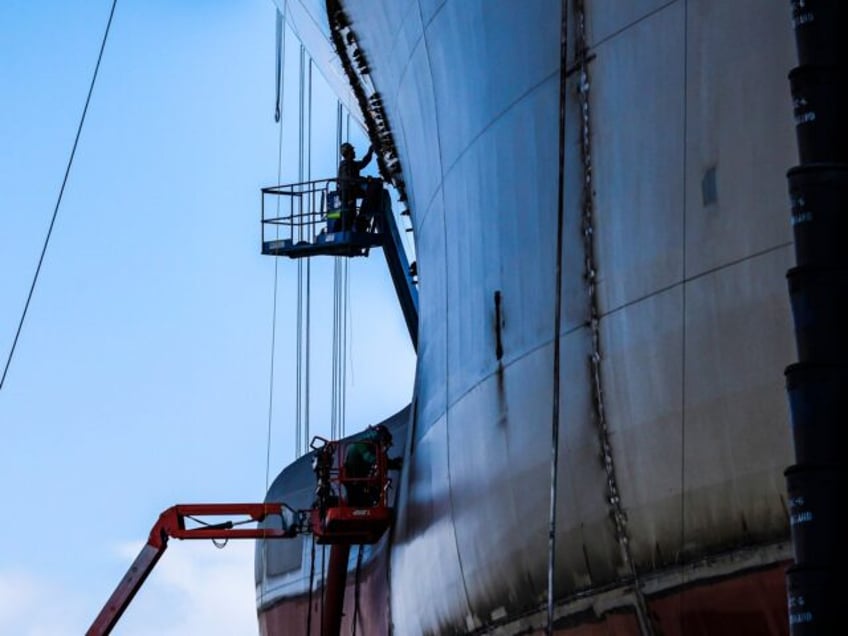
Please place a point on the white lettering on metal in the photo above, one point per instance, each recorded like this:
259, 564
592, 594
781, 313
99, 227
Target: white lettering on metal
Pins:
802, 217
801, 517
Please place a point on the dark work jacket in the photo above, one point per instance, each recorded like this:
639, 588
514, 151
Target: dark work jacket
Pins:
349, 172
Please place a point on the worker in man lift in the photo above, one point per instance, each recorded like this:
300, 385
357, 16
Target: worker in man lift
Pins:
360, 466
352, 187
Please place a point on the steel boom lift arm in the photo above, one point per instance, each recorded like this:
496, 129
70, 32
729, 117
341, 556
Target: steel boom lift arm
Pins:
352, 508
172, 524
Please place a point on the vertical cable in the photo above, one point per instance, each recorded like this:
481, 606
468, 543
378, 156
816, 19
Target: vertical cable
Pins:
335, 421
311, 587
356, 588
299, 406
307, 366
349, 337
278, 117
298, 413
685, 171
308, 151
345, 353
323, 582
557, 318
347, 126
339, 353
334, 379
309, 123
348, 341
278, 105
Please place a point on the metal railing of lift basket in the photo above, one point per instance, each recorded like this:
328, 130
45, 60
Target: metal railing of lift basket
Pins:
297, 212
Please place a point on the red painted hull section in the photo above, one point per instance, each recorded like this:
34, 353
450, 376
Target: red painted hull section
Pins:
751, 604
291, 616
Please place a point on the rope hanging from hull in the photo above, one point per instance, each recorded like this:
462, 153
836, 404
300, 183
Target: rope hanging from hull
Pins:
306, 158
557, 321
278, 104
304, 272
341, 299
278, 117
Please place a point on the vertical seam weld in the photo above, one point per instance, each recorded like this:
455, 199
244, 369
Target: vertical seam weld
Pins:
617, 513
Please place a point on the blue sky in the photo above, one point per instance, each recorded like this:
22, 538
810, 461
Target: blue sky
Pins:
141, 376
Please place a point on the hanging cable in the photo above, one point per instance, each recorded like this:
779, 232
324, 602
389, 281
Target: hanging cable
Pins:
278, 104
341, 292
333, 363
278, 117
298, 417
348, 337
308, 357
563, 78
344, 351
323, 582
334, 402
59, 198
336, 420
348, 332
340, 318
273, 329
308, 151
309, 122
343, 309
300, 443
335, 406
356, 586
311, 587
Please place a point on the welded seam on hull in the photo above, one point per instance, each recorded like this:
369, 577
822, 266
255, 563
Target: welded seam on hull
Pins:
358, 73
618, 595
617, 513
629, 25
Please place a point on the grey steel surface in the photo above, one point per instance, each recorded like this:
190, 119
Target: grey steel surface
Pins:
739, 119
694, 331
637, 98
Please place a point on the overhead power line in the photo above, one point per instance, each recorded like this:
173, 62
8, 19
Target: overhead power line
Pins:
59, 198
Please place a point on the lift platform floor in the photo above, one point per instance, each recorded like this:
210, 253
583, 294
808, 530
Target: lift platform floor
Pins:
331, 243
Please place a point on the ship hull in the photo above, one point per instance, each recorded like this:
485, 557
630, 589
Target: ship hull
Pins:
750, 603
675, 322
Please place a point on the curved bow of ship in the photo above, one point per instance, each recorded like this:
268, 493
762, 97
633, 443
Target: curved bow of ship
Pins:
670, 508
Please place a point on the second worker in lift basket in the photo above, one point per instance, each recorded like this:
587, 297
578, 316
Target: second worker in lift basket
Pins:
352, 187
361, 466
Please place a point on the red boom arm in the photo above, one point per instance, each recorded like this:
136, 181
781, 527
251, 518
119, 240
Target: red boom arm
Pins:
171, 523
